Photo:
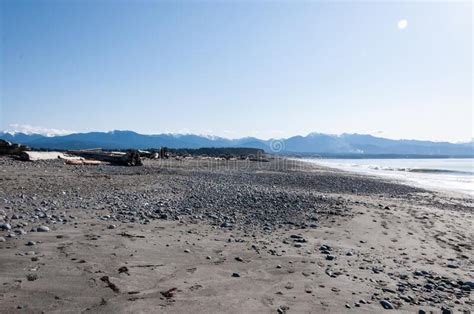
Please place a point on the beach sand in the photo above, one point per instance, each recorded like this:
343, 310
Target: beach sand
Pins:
236, 237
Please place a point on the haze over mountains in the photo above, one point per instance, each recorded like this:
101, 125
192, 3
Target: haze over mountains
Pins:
313, 143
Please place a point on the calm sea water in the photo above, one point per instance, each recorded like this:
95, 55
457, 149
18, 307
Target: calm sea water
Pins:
438, 174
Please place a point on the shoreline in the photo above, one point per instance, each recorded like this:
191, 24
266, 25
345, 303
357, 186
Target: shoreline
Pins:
399, 178
235, 237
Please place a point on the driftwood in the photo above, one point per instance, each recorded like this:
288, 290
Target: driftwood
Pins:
148, 154
7, 148
79, 162
130, 158
34, 156
70, 160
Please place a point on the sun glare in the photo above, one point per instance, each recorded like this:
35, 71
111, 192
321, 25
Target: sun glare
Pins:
402, 24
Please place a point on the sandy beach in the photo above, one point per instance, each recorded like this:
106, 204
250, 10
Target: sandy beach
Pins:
194, 236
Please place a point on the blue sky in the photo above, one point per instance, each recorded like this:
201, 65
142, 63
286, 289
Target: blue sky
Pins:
239, 68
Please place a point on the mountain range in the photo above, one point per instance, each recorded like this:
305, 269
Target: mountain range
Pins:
314, 143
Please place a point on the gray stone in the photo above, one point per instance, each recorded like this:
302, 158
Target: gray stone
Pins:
445, 310
386, 305
42, 229
325, 248
469, 283
466, 287
226, 225
20, 232
5, 226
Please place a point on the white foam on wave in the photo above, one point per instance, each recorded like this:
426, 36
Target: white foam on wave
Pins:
455, 175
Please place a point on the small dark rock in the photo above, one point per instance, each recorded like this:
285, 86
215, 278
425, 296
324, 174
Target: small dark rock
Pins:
5, 226
42, 229
386, 305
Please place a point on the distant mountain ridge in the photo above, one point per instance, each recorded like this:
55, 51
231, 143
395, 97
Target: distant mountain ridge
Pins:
314, 143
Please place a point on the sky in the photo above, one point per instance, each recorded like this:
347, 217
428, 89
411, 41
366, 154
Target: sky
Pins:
396, 69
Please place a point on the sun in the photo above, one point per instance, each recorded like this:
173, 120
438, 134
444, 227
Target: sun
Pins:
402, 24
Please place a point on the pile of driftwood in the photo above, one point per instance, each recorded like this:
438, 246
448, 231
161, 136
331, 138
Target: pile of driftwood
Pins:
129, 158
86, 157
7, 148
75, 157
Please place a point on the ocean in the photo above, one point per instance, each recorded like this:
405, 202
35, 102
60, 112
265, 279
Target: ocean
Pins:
451, 174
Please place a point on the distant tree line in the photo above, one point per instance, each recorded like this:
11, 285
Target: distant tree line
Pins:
224, 152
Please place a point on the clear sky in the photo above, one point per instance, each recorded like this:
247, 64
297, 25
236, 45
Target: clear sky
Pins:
239, 68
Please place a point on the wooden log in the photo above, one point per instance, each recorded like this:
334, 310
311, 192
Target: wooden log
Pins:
80, 162
130, 158
34, 156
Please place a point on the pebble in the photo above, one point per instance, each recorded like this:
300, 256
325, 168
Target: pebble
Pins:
31, 243
20, 232
187, 251
469, 283
111, 227
235, 275
5, 226
445, 310
325, 248
386, 305
330, 257
296, 236
453, 265
2, 239
226, 225
42, 229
